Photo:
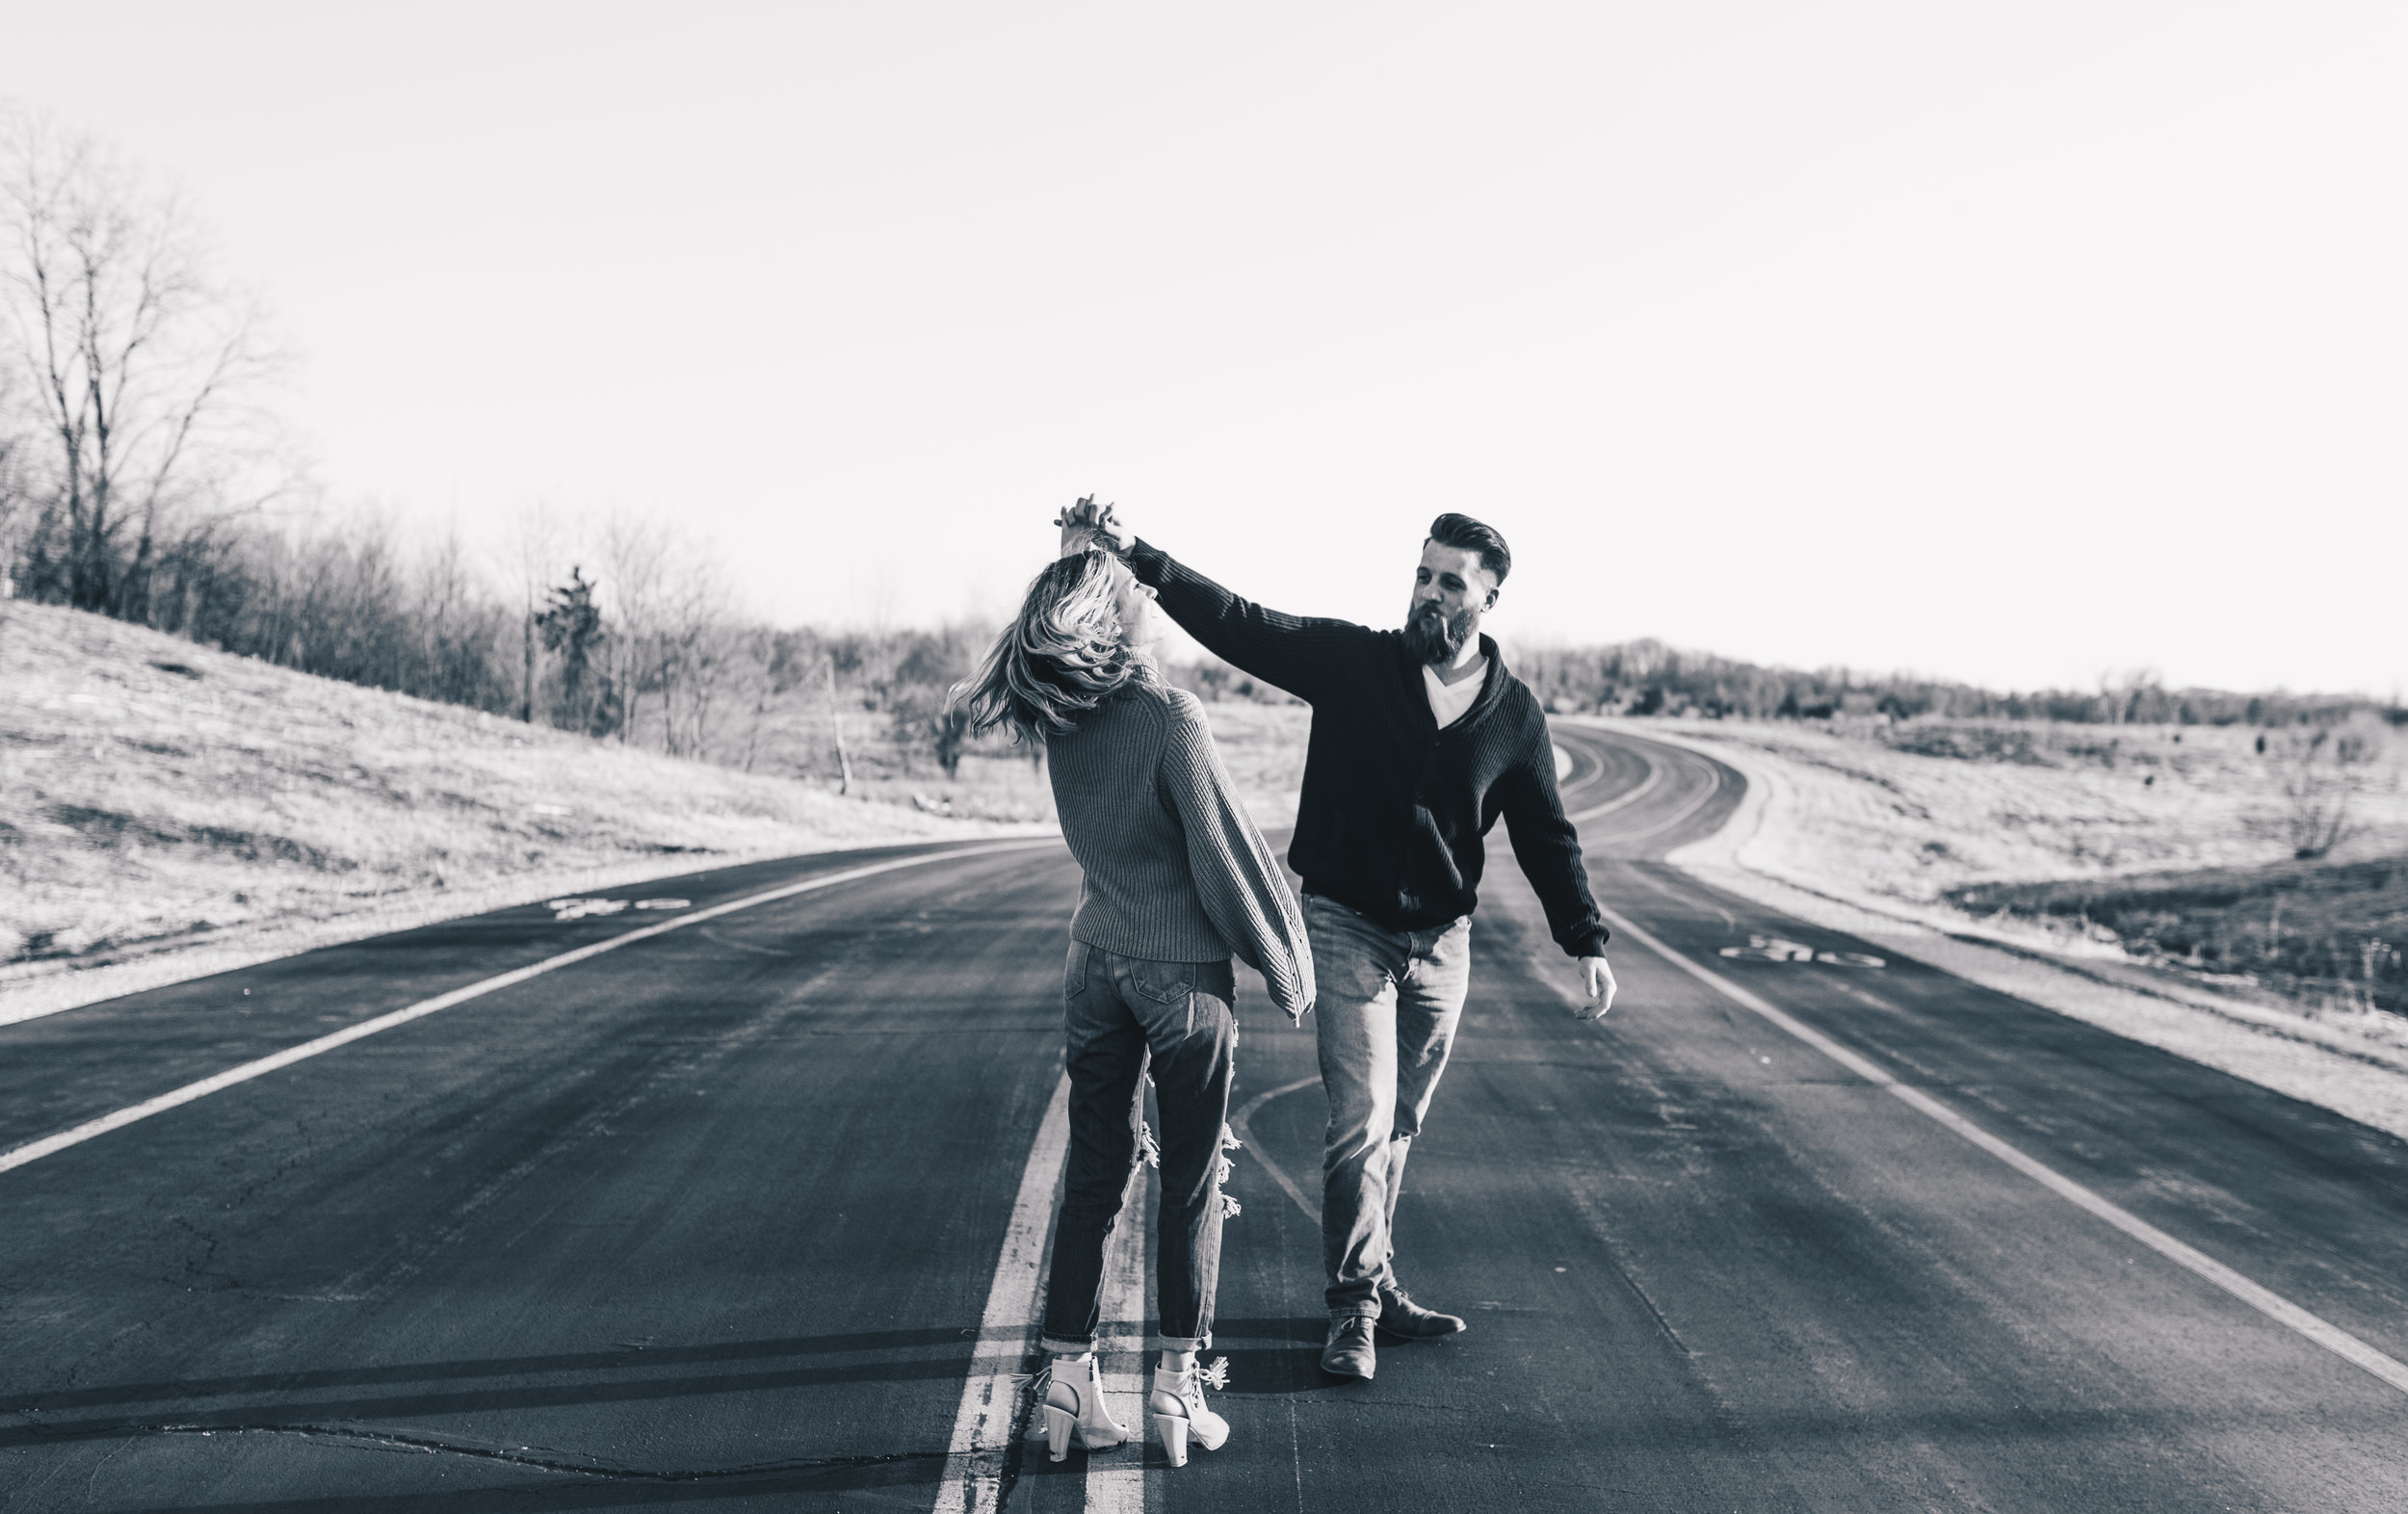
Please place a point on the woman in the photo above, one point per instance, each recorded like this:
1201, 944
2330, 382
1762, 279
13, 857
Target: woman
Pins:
1177, 879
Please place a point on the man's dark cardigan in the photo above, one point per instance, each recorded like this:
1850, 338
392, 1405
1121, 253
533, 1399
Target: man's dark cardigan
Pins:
1395, 810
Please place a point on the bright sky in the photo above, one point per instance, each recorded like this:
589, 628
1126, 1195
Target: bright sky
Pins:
2016, 343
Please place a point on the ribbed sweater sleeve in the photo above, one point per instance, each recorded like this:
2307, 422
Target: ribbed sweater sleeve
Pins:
1236, 879
1548, 846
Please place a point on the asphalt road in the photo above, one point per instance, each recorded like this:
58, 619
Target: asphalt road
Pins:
738, 1214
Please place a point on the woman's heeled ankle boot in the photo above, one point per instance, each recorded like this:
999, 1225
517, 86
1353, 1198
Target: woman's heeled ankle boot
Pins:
1074, 1405
1177, 1405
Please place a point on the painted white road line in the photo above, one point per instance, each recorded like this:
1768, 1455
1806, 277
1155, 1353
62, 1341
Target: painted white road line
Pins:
50, 1146
1714, 786
1115, 1481
983, 1426
1646, 786
2334, 1338
1246, 1134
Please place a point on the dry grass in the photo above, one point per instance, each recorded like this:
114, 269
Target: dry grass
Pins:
1908, 815
154, 793
1263, 747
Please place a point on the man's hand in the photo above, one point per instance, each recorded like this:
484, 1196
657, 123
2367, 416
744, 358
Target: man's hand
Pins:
1597, 978
1087, 524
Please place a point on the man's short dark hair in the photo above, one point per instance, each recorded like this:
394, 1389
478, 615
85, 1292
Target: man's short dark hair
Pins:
1466, 535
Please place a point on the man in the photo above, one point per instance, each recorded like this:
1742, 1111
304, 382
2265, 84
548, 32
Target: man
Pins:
1420, 741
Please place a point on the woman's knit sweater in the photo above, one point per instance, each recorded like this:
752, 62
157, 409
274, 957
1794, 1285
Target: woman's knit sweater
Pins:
1175, 870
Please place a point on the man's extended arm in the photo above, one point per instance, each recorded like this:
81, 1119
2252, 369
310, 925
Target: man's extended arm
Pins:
1292, 652
1548, 847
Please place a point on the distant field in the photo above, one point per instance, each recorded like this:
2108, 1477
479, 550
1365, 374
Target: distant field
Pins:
154, 793
1262, 746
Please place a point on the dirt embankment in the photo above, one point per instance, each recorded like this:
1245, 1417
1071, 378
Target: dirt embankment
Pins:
160, 800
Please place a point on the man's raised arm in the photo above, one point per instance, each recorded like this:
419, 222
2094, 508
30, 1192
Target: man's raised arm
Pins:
1295, 653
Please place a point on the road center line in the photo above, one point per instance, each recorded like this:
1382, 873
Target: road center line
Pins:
974, 1464
50, 1146
1629, 795
2332, 1337
1714, 786
1115, 1481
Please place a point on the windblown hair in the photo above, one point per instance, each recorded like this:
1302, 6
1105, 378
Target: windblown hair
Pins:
1059, 659
1466, 535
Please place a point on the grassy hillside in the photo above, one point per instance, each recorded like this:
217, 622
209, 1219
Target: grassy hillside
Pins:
154, 793
1909, 813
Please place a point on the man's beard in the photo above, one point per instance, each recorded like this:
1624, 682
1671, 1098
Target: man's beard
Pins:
1436, 638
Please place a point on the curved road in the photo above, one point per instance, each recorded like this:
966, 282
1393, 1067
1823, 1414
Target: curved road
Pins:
747, 1213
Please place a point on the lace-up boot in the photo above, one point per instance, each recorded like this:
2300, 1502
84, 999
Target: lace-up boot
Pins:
1177, 1404
1073, 1405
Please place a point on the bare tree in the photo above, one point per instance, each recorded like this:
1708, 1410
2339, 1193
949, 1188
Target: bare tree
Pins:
532, 559
639, 559
2320, 773
702, 653
139, 366
676, 643
836, 727
14, 492
458, 626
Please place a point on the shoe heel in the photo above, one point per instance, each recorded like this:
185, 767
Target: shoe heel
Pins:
1174, 1429
1059, 1423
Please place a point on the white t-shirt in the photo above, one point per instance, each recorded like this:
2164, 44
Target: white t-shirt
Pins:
1448, 702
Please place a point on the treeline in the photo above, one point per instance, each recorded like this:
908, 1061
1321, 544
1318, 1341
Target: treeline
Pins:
1647, 678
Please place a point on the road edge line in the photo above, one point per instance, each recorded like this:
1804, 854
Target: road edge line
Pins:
75, 1136
2310, 1327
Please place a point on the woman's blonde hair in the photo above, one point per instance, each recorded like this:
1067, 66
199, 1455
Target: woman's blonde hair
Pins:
1059, 659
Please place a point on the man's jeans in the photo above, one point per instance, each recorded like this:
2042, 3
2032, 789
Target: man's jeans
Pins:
1387, 1009
1121, 1010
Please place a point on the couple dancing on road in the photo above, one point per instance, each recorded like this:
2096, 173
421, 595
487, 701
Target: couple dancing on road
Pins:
1420, 740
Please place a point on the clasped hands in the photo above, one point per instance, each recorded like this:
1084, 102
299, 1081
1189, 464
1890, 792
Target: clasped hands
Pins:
1087, 524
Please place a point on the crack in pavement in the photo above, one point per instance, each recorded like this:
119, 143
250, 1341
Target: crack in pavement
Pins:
525, 1456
